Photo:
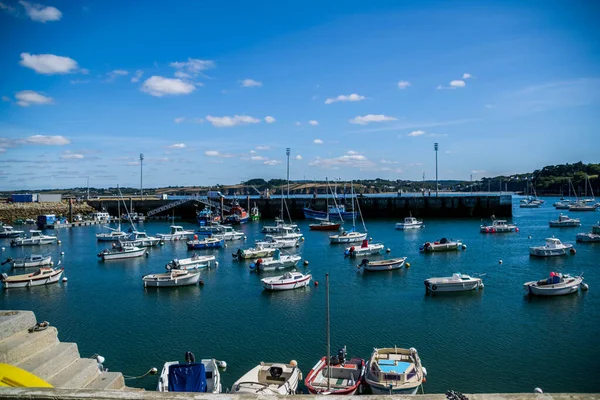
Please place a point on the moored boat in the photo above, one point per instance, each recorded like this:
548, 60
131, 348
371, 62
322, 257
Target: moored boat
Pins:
196, 261
553, 247
285, 233
278, 227
177, 233
176, 277
564, 221
333, 213
114, 235
206, 217
456, 283
269, 379
254, 252
35, 238
348, 237
498, 226
442, 245
255, 213
382, 265
206, 243
365, 249
410, 223
556, 285
228, 234
32, 260
275, 263
338, 377
121, 251
287, 281
395, 370
325, 225
583, 206
592, 236
275, 242
202, 377
43, 276
9, 232
141, 239
238, 215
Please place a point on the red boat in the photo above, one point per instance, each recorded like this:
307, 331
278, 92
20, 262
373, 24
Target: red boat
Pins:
325, 225
344, 378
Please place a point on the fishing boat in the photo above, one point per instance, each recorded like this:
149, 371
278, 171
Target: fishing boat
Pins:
456, 283
592, 236
254, 213
565, 221
287, 281
141, 239
382, 265
269, 379
410, 223
9, 232
35, 238
175, 277
365, 249
498, 226
196, 261
202, 377
394, 370
206, 217
206, 243
238, 215
227, 233
553, 247
339, 376
325, 225
442, 245
32, 260
254, 252
275, 263
121, 251
351, 236
43, 276
556, 285
277, 243
177, 233
113, 236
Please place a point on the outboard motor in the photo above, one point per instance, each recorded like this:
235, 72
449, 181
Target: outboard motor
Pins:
189, 357
342, 355
3, 277
7, 261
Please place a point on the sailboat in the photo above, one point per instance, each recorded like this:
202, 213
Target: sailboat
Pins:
350, 236
335, 375
137, 238
529, 201
335, 212
564, 204
283, 230
324, 223
585, 204
115, 234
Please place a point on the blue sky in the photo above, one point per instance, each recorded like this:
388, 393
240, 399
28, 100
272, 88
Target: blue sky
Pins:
213, 92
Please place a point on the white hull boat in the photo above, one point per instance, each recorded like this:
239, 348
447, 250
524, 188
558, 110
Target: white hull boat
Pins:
284, 236
442, 245
553, 247
194, 262
202, 377
177, 233
382, 265
410, 223
279, 226
498, 226
36, 238
365, 249
590, 237
230, 236
555, 285
287, 281
121, 252
270, 379
33, 260
339, 376
456, 283
113, 236
176, 277
564, 221
275, 263
348, 237
141, 239
43, 276
254, 252
9, 232
276, 243
395, 371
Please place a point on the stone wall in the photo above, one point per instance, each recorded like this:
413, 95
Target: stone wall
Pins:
9, 212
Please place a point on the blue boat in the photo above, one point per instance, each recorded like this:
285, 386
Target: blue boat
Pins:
207, 243
335, 214
206, 216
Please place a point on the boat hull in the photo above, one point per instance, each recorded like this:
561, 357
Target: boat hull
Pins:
380, 389
46, 280
122, 255
385, 266
547, 252
161, 280
531, 288
300, 283
362, 251
403, 227
28, 263
570, 224
451, 287
8, 235
347, 238
328, 227
199, 245
345, 389
33, 242
588, 238
314, 214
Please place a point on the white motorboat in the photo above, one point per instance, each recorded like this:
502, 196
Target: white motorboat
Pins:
277, 243
196, 261
228, 234
122, 251
565, 221
365, 249
553, 247
593, 236
286, 234
176, 277
556, 285
498, 226
442, 245
348, 237
410, 223
394, 370
278, 227
141, 239
583, 206
9, 232
36, 238
113, 236
269, 379
530, 204
287, 281
562, 205
382, 265
202, 377
254, 252
177, 233
456, 283
43, 276
32, 260
276, 262
210, 228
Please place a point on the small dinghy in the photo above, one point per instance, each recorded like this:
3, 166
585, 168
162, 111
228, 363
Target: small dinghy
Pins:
564, 221
43, 276
276, 262
194, 262
287, 281
254, 252
383, 265
556, 285
395, 371
32, 260
36, 238
553, 247
442, 245
456, 283
269, 379
365, 249
207, 243
410, 223
176, 277
202, 377
340, 376
121, 251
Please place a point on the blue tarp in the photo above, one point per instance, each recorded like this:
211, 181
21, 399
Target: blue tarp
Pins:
187, 378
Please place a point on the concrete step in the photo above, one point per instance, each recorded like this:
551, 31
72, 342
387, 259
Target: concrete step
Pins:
13, 321
22, 345
107, 380
50, 362
76, 375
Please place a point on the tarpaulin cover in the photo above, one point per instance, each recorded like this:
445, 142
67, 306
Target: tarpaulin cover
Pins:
187, 378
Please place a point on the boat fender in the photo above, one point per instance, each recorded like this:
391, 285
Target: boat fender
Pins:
434, 287
516, 229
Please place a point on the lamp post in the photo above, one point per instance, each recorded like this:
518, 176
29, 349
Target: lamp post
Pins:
141, 175
287, 153
435, 147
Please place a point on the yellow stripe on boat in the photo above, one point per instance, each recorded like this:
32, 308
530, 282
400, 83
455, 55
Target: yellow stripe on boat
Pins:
12, 376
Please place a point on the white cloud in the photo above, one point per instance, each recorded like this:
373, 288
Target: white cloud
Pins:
215, 153
478, 171
250, 83
40, 13
227, 122
112, 75
68, 155
269, 119
371, 118
252, 151
258, 158
350, 97
46, 140
313, 122
416, 133
179, 120
403, 84
298, 157
191, 68
27, 97
177, 146
136, 77
182, 75
350, 159
388, 162
79, 81
159, 86
466, 75
48, 64
457, 84
318, 141
263, 148
272, 162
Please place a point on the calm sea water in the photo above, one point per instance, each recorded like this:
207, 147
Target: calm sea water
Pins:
496, 340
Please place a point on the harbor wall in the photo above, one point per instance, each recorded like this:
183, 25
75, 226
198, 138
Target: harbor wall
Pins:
10, 212
393, 207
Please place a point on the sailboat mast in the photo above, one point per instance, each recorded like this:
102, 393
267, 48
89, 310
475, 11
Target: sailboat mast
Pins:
328, 335
352, 198
327, 198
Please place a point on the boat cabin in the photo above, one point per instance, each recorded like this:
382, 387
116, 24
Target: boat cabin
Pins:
275, 374
553, 243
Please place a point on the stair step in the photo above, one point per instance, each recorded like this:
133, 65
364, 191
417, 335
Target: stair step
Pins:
22, 345
50, 362
107, 380
76, 375
13, 321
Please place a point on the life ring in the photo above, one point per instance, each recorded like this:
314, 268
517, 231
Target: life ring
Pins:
434, 287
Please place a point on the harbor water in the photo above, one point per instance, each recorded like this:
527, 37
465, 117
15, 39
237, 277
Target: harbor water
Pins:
492, 340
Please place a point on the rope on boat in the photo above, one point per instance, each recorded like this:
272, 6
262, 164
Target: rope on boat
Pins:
151, 371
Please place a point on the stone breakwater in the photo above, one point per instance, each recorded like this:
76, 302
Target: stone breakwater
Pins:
10, 212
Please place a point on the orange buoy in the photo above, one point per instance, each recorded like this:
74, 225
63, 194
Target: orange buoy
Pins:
195, 237
316, 283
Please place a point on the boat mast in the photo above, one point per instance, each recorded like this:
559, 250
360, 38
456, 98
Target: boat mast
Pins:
352, 199
359, 212
119, 212
327, 199
328, 336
